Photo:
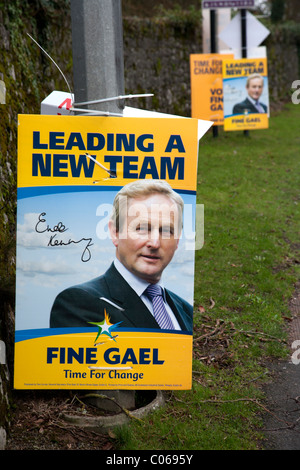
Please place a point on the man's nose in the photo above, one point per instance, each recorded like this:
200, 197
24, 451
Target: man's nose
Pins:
154, 239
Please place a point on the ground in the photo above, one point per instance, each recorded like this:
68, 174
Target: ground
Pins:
38, 424
38, 420
282, 422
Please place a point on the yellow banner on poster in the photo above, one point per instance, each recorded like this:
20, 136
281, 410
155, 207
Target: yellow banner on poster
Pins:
80, 150
246, 98
83, 319
248, 122
132, 360
207, 86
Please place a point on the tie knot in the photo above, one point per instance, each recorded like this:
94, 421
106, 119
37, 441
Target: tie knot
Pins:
153, 290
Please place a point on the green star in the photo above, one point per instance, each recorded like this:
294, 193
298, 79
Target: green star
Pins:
105, 327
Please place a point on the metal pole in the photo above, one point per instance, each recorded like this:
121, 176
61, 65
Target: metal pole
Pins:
244, 32
213, 49
97, 44
244, 41
98, 73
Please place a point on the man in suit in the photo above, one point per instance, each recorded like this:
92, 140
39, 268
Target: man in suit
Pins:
145, 228
251, 104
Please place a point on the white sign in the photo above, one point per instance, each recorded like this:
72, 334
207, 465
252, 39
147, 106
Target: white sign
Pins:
2, 92
60, 102
2, 353
255, 30
252, 52
214, 4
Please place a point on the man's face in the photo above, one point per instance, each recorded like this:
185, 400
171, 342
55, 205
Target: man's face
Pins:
149, 236
255, 88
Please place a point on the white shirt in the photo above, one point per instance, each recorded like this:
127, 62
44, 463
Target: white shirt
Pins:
139, 286
256, 103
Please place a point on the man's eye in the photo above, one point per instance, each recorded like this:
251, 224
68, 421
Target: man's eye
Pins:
167, 230
142, 228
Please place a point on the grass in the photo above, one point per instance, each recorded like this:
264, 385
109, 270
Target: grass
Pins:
245, 276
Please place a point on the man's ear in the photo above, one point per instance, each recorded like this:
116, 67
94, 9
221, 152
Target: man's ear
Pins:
114, 234
178, 240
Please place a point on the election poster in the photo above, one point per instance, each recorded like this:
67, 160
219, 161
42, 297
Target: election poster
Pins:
90, 239
246, 95
207, 86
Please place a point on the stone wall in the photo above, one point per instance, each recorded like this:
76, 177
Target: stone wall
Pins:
156, 60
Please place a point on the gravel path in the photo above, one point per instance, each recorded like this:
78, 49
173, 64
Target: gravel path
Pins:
282, 424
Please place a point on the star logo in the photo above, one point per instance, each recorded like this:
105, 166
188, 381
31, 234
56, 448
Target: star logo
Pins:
105, 327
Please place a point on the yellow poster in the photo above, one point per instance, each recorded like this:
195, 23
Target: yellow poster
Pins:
246, 96
105, 258
207, 86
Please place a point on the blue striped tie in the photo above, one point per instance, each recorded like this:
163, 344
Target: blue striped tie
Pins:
259, 107
154, 293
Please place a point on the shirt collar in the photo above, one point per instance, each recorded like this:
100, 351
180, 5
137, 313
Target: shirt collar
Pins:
252, 100
136, 283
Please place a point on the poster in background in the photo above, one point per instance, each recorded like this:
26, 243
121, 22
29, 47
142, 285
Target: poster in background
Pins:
64, 203
246, 102
207, 86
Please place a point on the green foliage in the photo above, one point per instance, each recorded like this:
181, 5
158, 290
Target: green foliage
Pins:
288, 32
277, 10
245, 277
179, 17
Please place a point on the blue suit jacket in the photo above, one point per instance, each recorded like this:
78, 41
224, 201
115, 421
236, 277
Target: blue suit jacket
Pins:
84, 303
246, 105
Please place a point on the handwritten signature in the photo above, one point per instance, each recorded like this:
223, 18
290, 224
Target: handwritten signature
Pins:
54, 239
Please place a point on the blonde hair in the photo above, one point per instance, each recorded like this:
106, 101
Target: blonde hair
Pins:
144, 188
252, 76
